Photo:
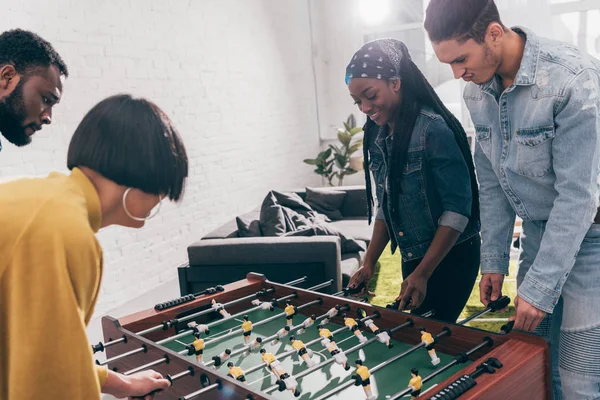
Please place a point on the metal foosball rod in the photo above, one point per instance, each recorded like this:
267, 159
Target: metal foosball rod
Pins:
310, 343
241, 313
167, 324
409, 322
188, 350
217, 385
496, 305
187, 332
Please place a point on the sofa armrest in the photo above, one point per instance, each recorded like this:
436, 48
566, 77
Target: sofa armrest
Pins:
284, 251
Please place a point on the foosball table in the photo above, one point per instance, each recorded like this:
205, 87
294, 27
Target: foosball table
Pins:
256, 339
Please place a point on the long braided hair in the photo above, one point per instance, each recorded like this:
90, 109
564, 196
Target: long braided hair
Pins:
416, 92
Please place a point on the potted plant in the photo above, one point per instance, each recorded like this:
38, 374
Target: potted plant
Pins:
337, 161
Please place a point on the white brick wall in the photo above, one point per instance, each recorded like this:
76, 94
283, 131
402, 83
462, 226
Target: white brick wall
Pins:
236, 78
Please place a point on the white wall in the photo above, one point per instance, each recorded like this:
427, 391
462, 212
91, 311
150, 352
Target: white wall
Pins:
236, 78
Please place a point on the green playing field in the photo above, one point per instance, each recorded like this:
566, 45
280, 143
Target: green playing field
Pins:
386, 381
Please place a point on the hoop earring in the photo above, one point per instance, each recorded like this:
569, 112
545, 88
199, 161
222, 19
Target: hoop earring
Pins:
152, 215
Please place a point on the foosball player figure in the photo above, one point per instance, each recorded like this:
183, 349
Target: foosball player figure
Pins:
289, 310
303, 352
281, 334
247, 328
221, 358
331, 313
253, 346
284, 380
198, 328
415, 384
197, 348
236, 372
363, 377
265, 305
337, 354
429, 343
308, 322
382, 336
352, 325
218, 307
325, 334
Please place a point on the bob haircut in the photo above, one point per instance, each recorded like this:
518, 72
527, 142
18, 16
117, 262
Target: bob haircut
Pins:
132, 142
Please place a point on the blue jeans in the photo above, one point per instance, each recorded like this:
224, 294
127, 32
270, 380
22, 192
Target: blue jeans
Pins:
573, 329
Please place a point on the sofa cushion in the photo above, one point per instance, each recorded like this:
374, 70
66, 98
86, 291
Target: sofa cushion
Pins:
326, 202
230, 228
357, 228
248, 228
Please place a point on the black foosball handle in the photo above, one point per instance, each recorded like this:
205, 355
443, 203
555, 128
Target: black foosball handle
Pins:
188, 298
499, 303
147, 394
351, 291
507, 328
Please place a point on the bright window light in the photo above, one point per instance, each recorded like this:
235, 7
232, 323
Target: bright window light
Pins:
374, 11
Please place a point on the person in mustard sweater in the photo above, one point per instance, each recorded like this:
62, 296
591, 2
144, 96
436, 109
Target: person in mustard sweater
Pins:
124, 158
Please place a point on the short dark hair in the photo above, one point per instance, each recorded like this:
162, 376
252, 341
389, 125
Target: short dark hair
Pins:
133, 143
460, 19
27, 52
414, 371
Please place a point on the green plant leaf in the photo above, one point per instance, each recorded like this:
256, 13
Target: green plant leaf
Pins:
335, 148
356, 130
348, 128
350, 171
351, 121
356, 146
344, 138
310, 161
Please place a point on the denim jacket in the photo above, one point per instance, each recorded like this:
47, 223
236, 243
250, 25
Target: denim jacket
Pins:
435, 182
537, 157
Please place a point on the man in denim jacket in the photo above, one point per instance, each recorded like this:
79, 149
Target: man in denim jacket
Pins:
535, 106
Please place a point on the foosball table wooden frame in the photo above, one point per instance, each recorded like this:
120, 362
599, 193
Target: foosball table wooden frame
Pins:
525, 358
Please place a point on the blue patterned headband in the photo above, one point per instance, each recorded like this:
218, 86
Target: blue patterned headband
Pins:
379, 59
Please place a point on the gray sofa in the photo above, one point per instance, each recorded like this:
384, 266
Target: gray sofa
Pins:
222, 256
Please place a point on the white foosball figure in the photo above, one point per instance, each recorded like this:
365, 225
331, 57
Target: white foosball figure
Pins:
331, 313
308, 322
284, 380
303, 352
218, 307
221, 358
382, 336
198, 328
283, 332
265, 305
337, 354
352, 325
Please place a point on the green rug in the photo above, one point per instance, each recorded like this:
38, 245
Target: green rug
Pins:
388, 277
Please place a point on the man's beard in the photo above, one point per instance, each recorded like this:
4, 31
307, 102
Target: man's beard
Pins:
12, 116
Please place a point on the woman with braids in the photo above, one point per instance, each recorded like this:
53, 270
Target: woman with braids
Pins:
424, 178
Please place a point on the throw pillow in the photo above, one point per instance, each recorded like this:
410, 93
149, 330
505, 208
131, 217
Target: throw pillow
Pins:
326, 202
248, 228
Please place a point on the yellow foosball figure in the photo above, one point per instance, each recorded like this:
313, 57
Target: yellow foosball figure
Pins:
325, 334
197, 348
308, 322
284, 380
337, 354
247, 328
415, 384
382, 336
429, 343
352, 325
303, 352
363, 377
290, 311
236, 372
218, 307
